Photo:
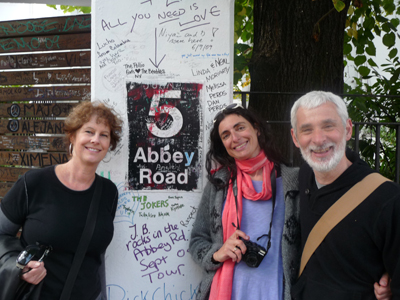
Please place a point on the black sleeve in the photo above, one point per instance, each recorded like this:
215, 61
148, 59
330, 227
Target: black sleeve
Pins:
6, 226
15, 203
387, 234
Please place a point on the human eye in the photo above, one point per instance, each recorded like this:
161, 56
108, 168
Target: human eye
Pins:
88, 131
104, 135
306, 130
329, 126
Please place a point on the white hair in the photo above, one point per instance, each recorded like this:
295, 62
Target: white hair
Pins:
317, 98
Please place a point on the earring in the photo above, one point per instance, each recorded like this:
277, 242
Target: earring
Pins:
70, 149
107, 161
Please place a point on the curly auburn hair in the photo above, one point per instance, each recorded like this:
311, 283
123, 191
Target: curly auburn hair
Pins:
217, 154
82, 114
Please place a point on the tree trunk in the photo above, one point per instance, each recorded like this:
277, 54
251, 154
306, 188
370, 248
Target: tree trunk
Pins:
298, 47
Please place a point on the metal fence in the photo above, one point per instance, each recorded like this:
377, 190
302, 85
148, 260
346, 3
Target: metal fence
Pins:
374, 136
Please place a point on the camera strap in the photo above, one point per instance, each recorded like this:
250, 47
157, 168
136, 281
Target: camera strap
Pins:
273, 187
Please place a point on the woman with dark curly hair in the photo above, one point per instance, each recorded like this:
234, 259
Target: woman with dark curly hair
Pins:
52, 204
253, 197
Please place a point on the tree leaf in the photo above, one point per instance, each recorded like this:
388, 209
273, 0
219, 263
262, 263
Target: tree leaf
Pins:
359, 60
395, 22
364, 71
389, 7
360, 49
377, 30
371, 50
339, 5
381, 19
347, 48
369, 23
393, 53
350, 11
386, 27
372, 63
395, 76
389, 39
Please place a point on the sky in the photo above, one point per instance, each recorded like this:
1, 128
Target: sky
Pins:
19, 11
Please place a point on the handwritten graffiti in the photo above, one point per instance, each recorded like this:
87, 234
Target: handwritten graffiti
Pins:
46, 77
190, 217
152, 249
41, 110
29, 44
186, 18
14, 110
13, 125
41, 126
37, 159
45, 93
116, 292
126, 208
45, 25
31, 143
45, 60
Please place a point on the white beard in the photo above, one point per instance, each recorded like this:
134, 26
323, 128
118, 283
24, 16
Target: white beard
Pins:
326, 164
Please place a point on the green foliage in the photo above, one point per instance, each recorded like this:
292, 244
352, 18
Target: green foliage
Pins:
243, 39
371, 20
374, 19
71, 8
378, 109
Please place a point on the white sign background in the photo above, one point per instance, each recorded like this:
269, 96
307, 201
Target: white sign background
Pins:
156, 42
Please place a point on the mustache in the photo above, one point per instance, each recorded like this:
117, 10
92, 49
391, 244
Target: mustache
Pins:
322, 147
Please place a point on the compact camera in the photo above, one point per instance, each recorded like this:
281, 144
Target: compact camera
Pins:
254, 254
37, 251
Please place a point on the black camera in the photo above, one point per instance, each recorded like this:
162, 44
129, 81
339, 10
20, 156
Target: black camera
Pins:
254, 254
37, 251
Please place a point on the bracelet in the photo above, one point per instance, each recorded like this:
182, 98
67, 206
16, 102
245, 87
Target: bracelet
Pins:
214, 261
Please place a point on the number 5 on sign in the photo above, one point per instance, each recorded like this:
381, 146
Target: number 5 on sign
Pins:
174, 126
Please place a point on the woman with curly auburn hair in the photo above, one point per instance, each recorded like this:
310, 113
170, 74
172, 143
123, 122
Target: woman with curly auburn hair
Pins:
52, 204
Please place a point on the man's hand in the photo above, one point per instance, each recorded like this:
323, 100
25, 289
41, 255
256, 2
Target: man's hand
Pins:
382, 289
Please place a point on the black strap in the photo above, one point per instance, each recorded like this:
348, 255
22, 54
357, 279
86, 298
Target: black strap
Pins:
273, 187
84, 241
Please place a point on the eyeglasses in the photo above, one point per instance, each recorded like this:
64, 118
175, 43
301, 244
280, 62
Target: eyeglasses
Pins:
229, 107
30, 252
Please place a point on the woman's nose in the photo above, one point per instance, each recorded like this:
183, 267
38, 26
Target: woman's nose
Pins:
235, 136
95, 139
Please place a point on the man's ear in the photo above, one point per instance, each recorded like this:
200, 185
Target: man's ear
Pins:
294, 138
349, 129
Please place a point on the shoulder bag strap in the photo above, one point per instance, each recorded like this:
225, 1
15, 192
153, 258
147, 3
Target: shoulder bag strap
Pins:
337, 212
84, 241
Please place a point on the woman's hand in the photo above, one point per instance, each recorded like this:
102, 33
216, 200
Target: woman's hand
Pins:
233, 248
34, 272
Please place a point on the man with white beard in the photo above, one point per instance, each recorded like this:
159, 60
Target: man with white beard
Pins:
366, 243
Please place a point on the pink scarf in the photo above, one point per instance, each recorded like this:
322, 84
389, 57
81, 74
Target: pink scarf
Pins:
221, 287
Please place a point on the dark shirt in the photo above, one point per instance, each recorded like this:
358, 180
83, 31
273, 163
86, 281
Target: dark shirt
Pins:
364, 245
52, 214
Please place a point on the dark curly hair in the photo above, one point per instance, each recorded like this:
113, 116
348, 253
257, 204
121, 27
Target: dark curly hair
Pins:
82, 114
217, 154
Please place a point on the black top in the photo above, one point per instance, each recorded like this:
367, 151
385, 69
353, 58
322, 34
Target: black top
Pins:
360, 248
53, 214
